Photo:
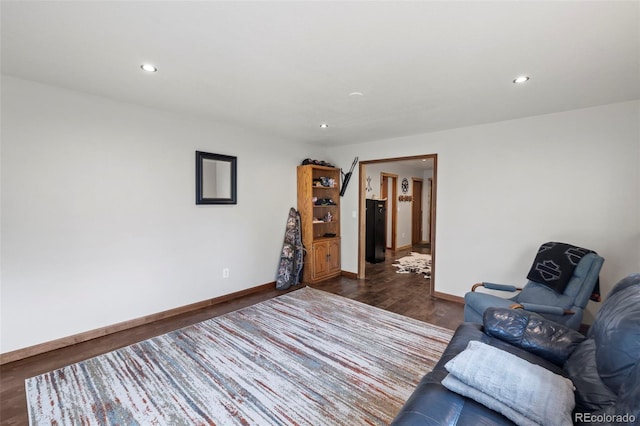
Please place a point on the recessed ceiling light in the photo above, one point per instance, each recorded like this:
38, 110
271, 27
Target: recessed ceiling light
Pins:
521, 79
356, 94
149, 68
324, 126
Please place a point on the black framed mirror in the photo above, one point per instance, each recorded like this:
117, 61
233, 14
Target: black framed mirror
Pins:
215, 178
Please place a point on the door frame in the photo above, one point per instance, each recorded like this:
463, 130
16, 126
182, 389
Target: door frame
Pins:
413, 208
391, 205
362, 218
431, 209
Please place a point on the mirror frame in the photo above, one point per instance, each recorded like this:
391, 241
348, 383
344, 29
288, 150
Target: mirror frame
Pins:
233, 161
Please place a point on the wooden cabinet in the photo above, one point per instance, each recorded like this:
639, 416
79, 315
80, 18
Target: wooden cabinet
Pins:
319, 207
326, 259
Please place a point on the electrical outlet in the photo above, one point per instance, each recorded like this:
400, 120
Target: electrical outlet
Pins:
225, 272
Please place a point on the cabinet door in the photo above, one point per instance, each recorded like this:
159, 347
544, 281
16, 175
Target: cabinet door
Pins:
333, 258
320, 257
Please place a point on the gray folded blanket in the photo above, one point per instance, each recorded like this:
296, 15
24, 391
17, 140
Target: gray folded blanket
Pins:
526, 393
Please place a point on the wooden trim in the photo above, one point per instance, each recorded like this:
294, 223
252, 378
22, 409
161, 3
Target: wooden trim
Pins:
432, 222
351, 275
414, 205
408, 246
392, 206
394, 159
476, 285
40, 348
361, 220
449, 297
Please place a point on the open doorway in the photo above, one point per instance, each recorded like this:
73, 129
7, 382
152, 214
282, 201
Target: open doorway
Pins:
414, 213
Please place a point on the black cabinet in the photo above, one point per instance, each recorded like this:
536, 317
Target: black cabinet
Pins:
376, 231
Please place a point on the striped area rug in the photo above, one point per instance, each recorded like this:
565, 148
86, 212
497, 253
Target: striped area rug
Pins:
304, 358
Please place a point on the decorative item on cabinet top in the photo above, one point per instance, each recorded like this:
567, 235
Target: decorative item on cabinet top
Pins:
308, 161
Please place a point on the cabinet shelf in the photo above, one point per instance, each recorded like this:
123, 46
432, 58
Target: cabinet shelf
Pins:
325, 239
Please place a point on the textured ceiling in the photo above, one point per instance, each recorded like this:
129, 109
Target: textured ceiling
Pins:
285, 67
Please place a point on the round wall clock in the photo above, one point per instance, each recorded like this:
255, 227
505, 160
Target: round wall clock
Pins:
405, 185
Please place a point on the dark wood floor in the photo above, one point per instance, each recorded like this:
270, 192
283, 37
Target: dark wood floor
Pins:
405, 294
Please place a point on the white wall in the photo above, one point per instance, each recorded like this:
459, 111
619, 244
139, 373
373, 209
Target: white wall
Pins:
505, 188
99, 222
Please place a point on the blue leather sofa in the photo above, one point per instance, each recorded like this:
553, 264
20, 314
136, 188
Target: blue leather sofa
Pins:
603, 366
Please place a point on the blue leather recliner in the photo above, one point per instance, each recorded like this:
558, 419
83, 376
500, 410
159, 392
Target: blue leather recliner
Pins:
565, 308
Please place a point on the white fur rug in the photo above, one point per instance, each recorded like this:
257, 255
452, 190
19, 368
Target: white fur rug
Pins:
414, 263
